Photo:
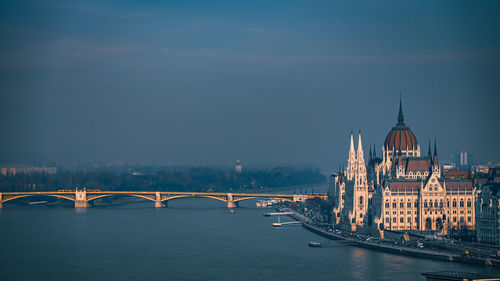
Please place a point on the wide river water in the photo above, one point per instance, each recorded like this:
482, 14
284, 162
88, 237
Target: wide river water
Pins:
192, 239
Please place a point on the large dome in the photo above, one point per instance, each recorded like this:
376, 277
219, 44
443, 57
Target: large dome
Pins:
400, 138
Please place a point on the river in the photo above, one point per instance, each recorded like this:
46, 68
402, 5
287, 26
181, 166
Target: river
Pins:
192, 239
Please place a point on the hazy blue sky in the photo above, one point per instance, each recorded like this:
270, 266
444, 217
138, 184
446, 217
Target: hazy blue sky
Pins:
270, 82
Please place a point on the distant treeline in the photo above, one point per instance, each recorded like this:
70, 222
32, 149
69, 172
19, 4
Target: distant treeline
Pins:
192, 179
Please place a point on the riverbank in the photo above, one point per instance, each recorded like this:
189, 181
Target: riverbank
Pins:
387, 246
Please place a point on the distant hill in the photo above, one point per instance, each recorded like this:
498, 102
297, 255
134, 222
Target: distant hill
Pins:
191, 179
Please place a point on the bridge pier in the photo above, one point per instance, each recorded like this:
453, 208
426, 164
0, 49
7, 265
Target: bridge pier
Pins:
299, 198
81, 199
230, 202
158, 203
1, 200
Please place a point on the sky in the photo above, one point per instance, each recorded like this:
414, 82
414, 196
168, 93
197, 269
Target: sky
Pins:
267, 82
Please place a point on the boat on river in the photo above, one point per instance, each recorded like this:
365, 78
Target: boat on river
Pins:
37, 202
314, 244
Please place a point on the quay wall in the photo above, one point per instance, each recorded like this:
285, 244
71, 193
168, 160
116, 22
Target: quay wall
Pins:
418, 253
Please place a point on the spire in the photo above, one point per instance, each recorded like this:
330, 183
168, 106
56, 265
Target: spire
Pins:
360, 146
371, 155
351, 161
435, 160
374, 151
351, 147
429, 154
401, 118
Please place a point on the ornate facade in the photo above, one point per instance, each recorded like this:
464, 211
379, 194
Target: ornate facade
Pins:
402, 190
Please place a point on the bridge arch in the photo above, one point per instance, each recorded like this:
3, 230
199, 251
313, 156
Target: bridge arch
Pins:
92, 197
193, 196
10, 198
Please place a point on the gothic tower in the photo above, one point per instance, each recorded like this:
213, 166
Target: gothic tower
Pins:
351, 161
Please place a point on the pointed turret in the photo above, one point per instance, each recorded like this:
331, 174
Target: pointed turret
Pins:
435, 160
359, 154
435, 164
360, 174
351, 161
351, 146
371, 154
429, 154
401, 117
360, 145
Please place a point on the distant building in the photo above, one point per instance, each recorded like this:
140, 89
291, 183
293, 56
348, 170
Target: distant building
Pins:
449, 166
33, 169
488, 209
237, 167
463, 160
481, 168
456, 174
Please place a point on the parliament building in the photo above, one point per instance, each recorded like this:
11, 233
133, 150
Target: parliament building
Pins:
401, 190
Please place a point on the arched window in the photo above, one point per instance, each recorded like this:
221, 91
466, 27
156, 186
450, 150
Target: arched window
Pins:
461, 203
425, 204
441, 203
469, 203
454, 203
430, 203
361, 200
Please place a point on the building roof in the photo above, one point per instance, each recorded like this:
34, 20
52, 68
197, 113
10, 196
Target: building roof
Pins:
457, 185
404, 185
417, 164
456, 174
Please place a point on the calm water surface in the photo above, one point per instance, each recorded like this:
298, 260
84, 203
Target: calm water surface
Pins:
192, 239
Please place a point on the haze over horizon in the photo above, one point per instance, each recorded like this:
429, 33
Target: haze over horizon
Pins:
268, 82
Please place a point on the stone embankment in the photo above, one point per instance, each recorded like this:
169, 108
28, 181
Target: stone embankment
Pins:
389, 246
